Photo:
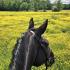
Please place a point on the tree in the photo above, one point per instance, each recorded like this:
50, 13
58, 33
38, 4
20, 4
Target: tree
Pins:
1, 4
48, 4
36, 5
24, 6
57, 6
43, 5
66, 6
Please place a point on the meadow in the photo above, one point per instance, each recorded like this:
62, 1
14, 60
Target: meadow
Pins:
13, 24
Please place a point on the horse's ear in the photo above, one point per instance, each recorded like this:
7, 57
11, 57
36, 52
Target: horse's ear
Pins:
42, 28
31, 23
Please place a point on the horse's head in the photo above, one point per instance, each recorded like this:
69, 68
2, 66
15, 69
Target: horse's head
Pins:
42, 42
32, 41
28, 46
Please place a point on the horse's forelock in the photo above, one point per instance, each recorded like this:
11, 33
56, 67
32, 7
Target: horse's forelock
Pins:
32, 32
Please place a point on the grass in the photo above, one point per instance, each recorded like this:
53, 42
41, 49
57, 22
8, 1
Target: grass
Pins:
13, 24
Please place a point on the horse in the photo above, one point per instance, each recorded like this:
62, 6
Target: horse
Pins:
31, 49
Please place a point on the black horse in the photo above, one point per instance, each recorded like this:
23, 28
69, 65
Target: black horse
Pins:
31, 49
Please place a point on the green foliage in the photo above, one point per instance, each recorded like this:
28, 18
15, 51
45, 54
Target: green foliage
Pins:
57, 6
66, 6
43, 5
32, 5
9, 5
48, 4
24, 6
35, 4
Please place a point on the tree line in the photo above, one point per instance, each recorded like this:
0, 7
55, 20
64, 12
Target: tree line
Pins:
31, 5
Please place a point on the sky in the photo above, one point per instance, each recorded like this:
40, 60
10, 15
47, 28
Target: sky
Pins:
63, 1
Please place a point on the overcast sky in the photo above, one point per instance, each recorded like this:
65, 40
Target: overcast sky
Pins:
63, 1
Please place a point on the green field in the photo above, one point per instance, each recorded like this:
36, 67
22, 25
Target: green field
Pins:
13, 24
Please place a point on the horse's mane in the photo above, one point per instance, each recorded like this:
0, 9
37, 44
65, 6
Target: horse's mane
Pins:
15, 49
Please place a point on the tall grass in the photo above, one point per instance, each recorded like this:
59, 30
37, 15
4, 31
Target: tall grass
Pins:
13, 24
